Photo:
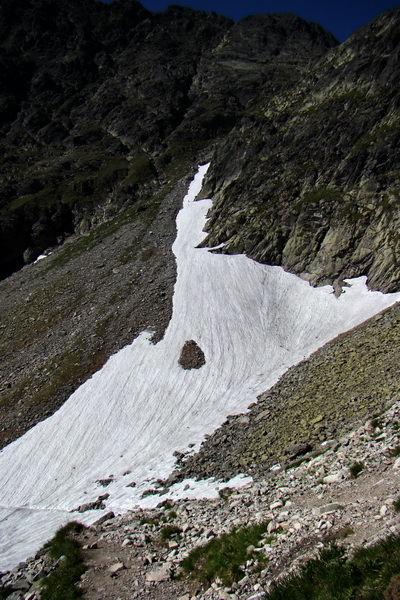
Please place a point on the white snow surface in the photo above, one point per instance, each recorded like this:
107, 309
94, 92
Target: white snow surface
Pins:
252, 322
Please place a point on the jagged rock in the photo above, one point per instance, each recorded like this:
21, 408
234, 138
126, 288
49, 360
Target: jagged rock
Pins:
295, 450
116, 568
318, 214
163, 573
192, 356
334, 477
107, 517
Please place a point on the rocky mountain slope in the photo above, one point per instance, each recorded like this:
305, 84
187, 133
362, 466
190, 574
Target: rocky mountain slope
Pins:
104, 112
305, 505
93, 152
309, 180
303, 139
110, 97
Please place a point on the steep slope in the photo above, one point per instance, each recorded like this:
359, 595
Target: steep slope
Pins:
109, 98
251, 321
310, 179
352, 378
100, 129
116, 105
103, 87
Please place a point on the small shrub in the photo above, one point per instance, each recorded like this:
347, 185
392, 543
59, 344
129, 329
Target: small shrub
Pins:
343, 533
396, 505
369, 575
356, 469
376, 422
61, 583
224, 493
149, 521
224, 556
392, 591
169, 531
168, 516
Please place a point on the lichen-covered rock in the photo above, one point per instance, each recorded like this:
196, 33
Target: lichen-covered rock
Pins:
192, 356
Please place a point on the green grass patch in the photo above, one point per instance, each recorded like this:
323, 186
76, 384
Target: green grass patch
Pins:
224, 556
169, 531
333, 576
345, 532
45, 198
61, 583
356, 469
315, 196
141, 170
394, 451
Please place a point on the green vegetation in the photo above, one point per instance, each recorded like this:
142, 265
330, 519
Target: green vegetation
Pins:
224, 493
141, 170
171, 515
344, 533
376, 422
224, 556
379, 133
61, 583
333, 576
339, 382
149, 521
316, 195
46, 197
396, 505
395, 451
356, 469
169, 531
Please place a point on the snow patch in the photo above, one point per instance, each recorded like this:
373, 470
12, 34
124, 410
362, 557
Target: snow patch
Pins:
252, 322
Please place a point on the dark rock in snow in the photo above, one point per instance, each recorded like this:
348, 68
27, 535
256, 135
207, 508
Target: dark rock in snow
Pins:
192, 356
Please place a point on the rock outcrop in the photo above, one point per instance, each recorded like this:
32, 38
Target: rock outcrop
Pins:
192, 356
309, 179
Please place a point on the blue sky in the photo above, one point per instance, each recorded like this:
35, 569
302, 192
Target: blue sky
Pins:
341, 17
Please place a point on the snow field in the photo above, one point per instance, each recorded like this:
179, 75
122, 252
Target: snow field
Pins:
252, 322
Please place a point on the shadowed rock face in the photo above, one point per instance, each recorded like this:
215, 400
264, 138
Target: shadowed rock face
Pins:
100, 104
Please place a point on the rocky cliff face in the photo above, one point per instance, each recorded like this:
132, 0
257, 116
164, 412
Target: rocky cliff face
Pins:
109, 99
309, 180
102, 87
103, 111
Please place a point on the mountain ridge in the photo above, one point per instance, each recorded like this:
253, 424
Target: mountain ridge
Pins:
100, 174
99, 141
